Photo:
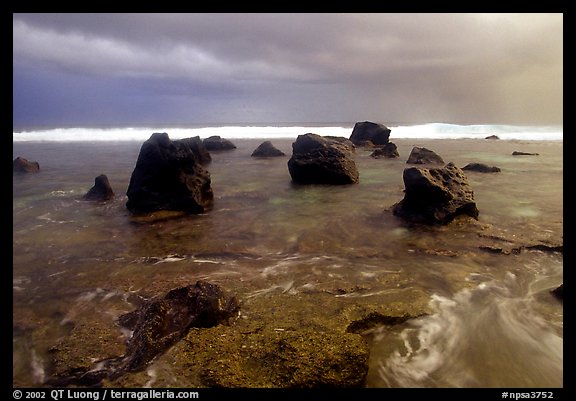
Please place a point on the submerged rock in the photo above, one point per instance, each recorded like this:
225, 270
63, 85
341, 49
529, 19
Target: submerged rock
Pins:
368, 133
22, 165
424, 156
436, 195
275, 358
516, 153
320, 160
266, 149
101, 191
168, 176
481, 168
388, 151
157, 325
217, 143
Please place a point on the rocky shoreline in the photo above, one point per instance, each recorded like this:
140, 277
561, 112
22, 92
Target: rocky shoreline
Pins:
272, 339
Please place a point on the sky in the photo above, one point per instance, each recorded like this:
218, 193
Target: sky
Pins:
150, 69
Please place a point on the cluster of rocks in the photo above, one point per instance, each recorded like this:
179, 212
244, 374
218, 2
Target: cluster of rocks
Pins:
170, 175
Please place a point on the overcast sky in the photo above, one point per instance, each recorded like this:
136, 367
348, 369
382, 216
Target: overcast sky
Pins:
142, 69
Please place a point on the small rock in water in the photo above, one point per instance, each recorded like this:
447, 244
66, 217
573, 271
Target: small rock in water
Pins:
22, 165
101, 191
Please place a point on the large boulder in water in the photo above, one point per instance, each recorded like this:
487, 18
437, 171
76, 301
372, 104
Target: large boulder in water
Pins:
218, 143
266, 149
435, 195
22, 165
423, 156
168, 176
367, 133
320, 160
101, 191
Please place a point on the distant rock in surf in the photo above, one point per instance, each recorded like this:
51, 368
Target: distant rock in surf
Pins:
423, 156
481, 168
217, 143
168, 176
492, 137
389, 151
516, 153
435, 195
266, 149
101, 191
22, 165
321, 160
367, 133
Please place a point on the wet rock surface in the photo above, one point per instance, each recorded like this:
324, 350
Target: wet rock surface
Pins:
168, 176
320, 160
101, 191
218, 143
481, 168
266, 149
435, 195
367, 133
22, 165
420, 155
389, 151
157, 325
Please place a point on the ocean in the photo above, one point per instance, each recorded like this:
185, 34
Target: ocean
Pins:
469, 303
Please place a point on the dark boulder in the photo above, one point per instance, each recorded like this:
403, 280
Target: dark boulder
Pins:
347, 143
168, 176
424, 156
435, 195
481, 168
492, 137
157, 325
266, 149
101, 191
217, 143
21, 165
389, 151
516, 153
320, 160
160, 323
197, 147
368, 133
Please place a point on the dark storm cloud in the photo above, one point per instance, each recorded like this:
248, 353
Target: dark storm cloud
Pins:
292, 67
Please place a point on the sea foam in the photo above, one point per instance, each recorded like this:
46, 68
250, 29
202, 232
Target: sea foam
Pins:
425, 131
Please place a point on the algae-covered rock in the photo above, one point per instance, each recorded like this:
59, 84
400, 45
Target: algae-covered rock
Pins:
274, 358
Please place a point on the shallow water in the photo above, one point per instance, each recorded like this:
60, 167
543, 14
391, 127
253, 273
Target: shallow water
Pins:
493, 322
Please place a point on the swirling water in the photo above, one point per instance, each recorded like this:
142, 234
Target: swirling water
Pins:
492, 320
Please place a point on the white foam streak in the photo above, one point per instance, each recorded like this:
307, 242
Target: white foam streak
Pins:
425, 131
490, 325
